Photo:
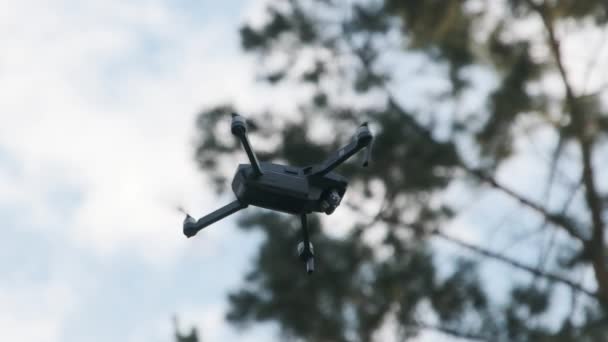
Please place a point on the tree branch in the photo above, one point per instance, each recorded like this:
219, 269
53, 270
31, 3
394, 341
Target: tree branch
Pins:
581, 125
450, 331
499, 257
511, 262
558, 219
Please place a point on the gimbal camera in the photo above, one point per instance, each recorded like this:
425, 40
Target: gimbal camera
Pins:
294, 190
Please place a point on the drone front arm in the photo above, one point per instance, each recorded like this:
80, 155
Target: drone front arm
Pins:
363, 138
191, 227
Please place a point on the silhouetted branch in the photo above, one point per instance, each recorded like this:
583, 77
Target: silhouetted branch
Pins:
493, 255
450, 331
559, 220
504, 259
586, 140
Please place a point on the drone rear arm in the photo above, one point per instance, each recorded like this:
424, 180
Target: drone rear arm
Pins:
362, 138
192, 227
239, 129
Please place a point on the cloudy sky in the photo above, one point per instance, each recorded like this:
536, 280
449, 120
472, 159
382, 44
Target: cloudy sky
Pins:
97, 107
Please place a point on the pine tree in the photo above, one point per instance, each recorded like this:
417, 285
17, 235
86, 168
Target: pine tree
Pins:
500, 83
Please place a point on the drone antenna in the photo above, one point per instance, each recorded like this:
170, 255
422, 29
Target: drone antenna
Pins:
181, 209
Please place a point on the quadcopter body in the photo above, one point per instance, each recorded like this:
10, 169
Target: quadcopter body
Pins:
288, 189
294, 190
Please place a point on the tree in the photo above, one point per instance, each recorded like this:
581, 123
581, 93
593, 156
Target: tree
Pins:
500, 83
192, 337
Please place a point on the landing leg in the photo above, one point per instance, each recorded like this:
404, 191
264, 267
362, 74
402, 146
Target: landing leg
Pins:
305, 249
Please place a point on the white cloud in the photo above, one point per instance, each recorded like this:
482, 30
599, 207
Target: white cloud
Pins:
80, 107
209, 323
34, 313
99, 98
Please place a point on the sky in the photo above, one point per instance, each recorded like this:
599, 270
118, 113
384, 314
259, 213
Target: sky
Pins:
98, 102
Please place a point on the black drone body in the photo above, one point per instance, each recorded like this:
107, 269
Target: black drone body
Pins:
294, 190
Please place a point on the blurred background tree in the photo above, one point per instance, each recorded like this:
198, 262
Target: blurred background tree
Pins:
179, 337
459, 94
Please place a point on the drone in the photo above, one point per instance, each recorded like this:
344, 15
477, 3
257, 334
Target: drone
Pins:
293, 190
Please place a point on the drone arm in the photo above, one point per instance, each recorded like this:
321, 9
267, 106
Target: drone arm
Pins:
239, 129
363, 138
191, 227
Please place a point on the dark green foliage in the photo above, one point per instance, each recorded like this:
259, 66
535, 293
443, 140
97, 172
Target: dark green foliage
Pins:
179, 337
459, 290
442, 28
407, 161
192, 337
508, 101
276, 293
360, 285
252, 39
534, 300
